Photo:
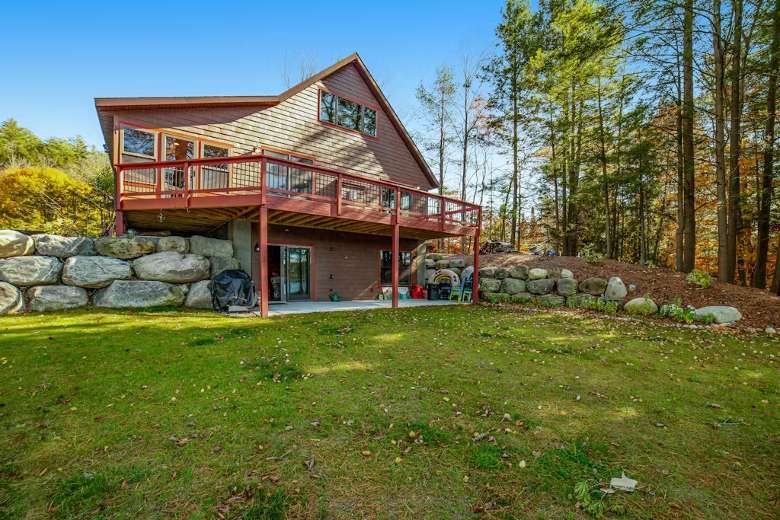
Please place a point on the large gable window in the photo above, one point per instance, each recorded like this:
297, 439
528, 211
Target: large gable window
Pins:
138, 142
347, 114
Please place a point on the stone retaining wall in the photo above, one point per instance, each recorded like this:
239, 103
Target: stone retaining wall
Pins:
42, 273
551, 287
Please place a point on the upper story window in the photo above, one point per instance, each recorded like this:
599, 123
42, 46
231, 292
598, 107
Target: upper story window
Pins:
283, 177
347, 114
214, 175
139, 142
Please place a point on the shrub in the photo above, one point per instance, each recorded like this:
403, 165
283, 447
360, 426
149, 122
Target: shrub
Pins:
700, 278
682, 314
49, 200
600, 305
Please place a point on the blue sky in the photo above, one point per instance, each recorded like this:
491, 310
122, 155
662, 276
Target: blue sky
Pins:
58, 56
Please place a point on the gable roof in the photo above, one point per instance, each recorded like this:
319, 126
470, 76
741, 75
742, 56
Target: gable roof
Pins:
105, 104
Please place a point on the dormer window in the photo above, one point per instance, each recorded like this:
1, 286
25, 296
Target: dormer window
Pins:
347, 114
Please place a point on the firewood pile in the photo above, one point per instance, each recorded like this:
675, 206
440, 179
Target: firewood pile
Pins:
496, 246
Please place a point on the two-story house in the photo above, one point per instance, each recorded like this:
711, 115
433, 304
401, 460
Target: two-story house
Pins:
320, 188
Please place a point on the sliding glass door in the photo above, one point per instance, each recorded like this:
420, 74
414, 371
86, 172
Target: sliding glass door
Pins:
298, 267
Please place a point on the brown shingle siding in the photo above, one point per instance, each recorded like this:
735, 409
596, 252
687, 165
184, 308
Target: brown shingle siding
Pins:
352, 259
293, 125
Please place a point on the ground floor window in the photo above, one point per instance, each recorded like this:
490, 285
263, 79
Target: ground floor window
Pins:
404, 268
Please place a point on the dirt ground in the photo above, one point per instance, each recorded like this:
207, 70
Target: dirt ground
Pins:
758, 308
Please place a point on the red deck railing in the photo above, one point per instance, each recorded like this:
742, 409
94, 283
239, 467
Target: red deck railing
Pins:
287, 185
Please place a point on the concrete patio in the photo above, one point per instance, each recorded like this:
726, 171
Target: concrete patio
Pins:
354, 305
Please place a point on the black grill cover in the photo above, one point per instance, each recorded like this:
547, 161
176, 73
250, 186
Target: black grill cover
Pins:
232, 287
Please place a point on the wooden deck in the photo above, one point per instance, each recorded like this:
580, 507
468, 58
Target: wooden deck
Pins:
211, 192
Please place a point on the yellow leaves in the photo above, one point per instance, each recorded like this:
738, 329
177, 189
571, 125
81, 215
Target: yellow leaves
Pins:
48, 199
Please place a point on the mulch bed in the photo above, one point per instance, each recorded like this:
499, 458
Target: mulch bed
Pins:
759, 308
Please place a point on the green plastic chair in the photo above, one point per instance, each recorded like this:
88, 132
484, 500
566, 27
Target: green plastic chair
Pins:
466, 293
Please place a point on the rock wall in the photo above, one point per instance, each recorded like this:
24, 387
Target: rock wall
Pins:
551, 287
44, 273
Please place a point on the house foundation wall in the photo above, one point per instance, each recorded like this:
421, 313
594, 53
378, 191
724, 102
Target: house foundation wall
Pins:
345, 263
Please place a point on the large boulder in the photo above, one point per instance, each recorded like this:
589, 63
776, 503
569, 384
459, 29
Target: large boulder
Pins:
594, 286
13, 243
443, 263
566, 286
205, 246
64, 247
172, 267
26, 271
641, 307
719, 313
199, 296
178, 244
124, 247
501, 273
94, 272
512, 286
616, 289
458, 261
541, 286
430, 263
489, 285
47, 298
223, 263
559, 272
11, 301
139, 293
518, 271
537, 273
487, 272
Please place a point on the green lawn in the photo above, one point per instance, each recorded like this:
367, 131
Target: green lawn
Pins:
416, 413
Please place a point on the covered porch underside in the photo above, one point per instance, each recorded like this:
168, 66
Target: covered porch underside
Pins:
390, 224
200, 220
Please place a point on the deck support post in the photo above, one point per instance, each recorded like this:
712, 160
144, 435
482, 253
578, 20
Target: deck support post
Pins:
119, 223
262, 272
396, 253
475, 276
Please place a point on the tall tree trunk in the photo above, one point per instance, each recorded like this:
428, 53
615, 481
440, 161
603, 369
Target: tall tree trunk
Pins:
679, 236
565, 176
734, 205
759, 274
505, 216
642, 214
554, 173
689, 216
720, 142
465, 157
604, 179
618, 170
442, 144
515, 144
575, 145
